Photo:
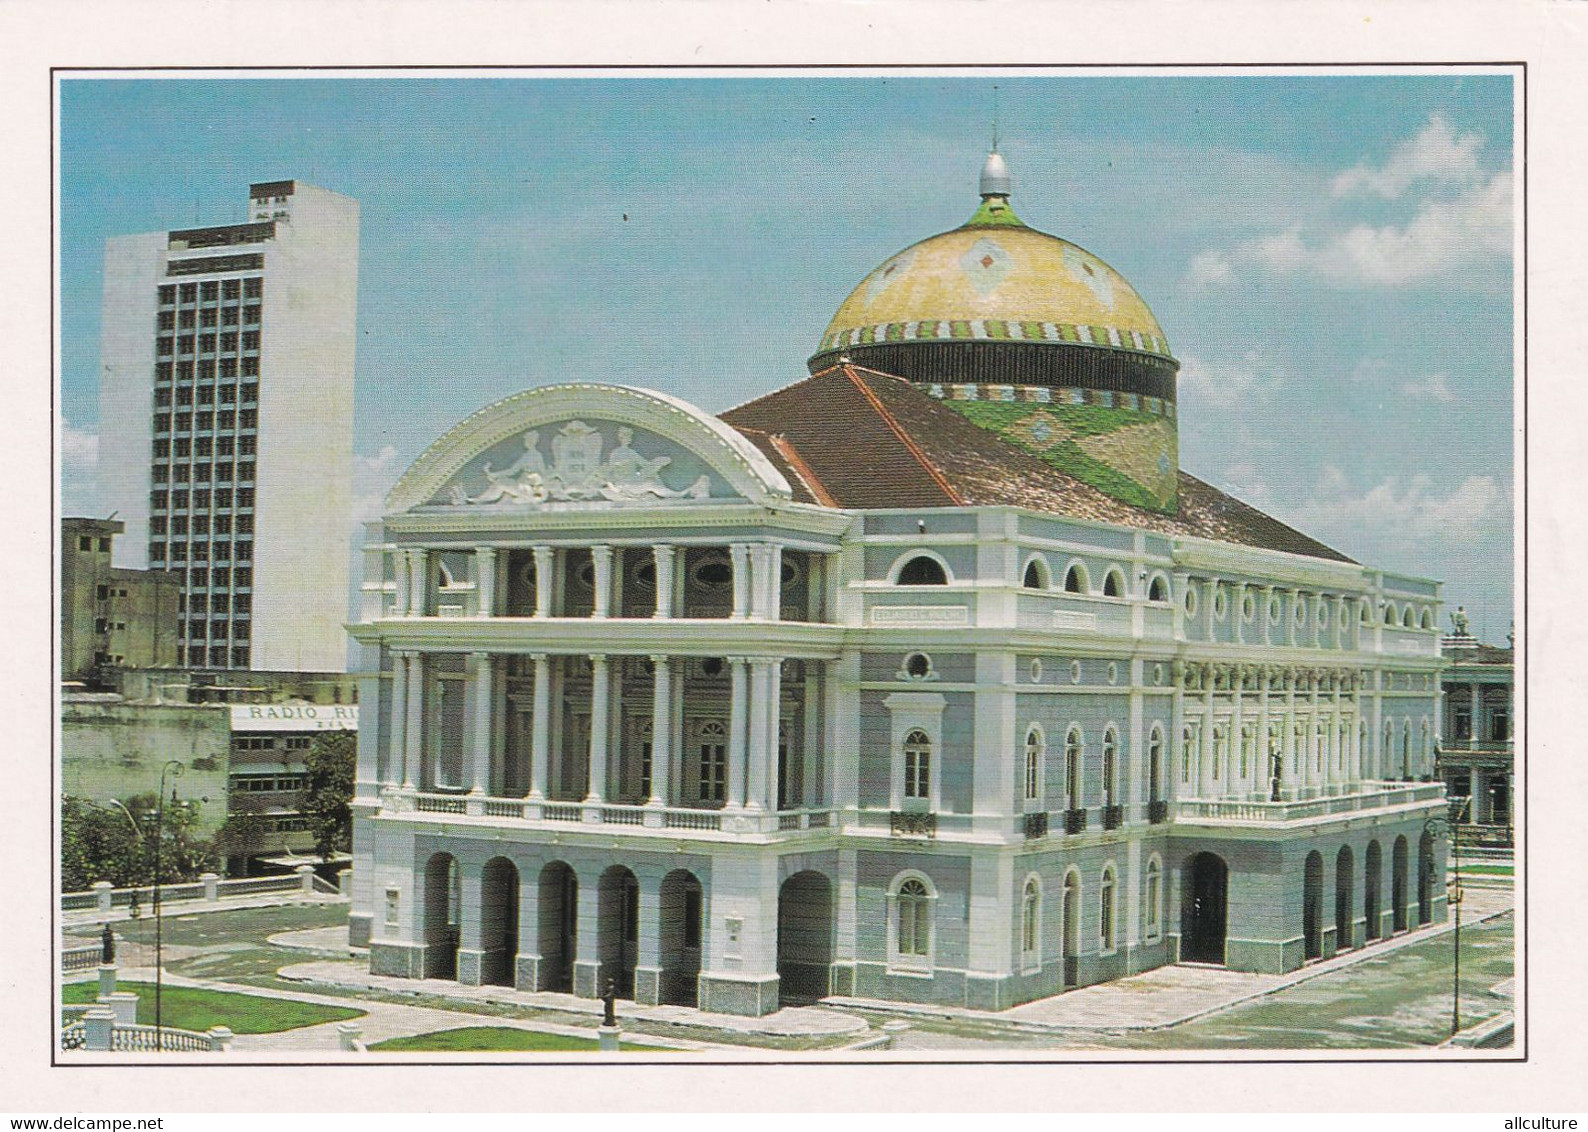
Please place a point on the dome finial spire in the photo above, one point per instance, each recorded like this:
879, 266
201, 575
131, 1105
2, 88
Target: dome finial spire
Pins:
995, 118
995, 180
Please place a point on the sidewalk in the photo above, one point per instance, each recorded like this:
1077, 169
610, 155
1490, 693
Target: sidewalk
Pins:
791, 1021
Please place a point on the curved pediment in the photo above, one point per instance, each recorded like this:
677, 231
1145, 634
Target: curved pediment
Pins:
587, 445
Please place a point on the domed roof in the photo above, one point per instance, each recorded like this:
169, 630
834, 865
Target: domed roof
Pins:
995, 278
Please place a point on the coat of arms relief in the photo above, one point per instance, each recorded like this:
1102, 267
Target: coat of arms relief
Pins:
578, 472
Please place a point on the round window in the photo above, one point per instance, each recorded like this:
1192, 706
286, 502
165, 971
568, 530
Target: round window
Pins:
644, 575
585, 575
1190, 602
1220, 603
712, 666
714, 574
1323, 614
790, 573
918, 666
1113, 672
1301, 611
1036, 670
1075, 672
1248, 607
1157, 674
1273, 609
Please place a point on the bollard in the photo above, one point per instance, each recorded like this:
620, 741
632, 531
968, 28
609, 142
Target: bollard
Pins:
347, 1035
212, 886
123, 1004
97, 1025
220, 1039
344, 882
608, 1038
305, 878
102, 890
107, 980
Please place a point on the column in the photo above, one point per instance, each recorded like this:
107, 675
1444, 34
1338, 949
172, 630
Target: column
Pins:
1238, 611
661, 728
774, 725
740, 554
1175, 740
1320, 753
811, 748
1317, 611
413, 727
1260, 772
737, 713
1289, 756
758, 586
600, 707
774, 581
1210, 589
396, 749
1337, 743
545, 579
1205, 771
1341, 608
1237, 734
485, 581
400, 576
540, 728
1290, 617
418, 582
1477, 715
602, 557
480, 731
759, 751
664, 580
1262, 615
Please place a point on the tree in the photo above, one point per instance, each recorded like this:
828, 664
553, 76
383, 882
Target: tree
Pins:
328, 797
99, 843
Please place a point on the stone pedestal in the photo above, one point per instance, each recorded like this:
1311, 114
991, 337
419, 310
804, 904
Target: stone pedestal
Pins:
608, 1037
123, 1005
107, 979
347, 1035
305, 878
212, 886
102, 895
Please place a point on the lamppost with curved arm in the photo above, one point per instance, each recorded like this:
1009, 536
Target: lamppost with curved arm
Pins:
1450, 826
174, 768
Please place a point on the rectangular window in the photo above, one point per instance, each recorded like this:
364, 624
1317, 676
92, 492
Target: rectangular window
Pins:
202, 446
157, 500
229, 316
195, 656
209, 291
166, 321
242, 603
199, 578
222, 578
223, 524
207, 318
248, 418
231, 288
244, 580
246, 445
250, 369
245, 472
240, 631
179, 473
179, 500
185, 320
157, 552
223, 497
179, 525
189, 292
254, 288
224, 446
223, 472
197, 603
240, 656
218, 630
713, 772
167, 294
201, 498
162, 371
217, 656
220, 602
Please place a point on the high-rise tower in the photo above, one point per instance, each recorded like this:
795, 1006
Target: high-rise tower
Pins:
226, 423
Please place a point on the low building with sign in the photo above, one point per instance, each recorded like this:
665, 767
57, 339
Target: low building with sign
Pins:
930, 677
267, 776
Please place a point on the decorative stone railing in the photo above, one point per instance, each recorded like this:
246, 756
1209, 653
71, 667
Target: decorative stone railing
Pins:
80, 958
104, 898
1378, 796
97, 1031
533, 811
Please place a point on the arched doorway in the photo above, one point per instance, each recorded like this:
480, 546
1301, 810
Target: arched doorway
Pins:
804, 938
559, 926
1398, 884
1205, 886
442, 906
1426, 879
1070, 911
498, 922
1312, 906
618, 930
681, 919
1344, 878
1372, 877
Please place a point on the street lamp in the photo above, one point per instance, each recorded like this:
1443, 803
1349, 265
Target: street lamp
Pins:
1450, 826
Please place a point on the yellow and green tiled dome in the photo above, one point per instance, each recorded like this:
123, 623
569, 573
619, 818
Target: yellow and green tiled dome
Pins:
1027, 335
995, 278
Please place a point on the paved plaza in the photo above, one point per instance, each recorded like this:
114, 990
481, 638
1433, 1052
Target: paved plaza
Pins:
1394, 994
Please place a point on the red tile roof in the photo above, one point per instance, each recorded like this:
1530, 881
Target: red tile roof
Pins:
856, 438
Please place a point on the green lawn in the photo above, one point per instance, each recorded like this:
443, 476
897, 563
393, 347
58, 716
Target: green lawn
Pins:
476, 1039
1488, 870
192, 1008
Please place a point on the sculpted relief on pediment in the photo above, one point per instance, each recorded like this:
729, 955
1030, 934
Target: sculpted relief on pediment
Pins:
582, 470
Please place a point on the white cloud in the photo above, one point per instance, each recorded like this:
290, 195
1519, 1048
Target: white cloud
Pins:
1436, 387
1444, 237
373, 477
79, 455
1209, 269
1438, 153
1225, 383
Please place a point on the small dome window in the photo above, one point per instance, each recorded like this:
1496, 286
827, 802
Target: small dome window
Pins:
1036, 576
714, 574
1159, 590
1075, 580
1114, 584
1428, 619
1389, 614
917, 666
1408, 619
923, 571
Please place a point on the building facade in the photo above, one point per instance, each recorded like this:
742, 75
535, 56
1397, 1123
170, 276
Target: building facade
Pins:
886, 684
112, 617
226, 398
1477, 747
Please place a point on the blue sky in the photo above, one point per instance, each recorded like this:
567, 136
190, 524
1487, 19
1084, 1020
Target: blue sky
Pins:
1329, 256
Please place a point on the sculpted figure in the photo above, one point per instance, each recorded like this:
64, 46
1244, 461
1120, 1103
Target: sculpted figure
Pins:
523, 481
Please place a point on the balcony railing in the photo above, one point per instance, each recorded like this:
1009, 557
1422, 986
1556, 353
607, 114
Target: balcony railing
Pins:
1372, 796
1158, 811
1036, 825
903, 824
1074, 821
1113, 817
536, 812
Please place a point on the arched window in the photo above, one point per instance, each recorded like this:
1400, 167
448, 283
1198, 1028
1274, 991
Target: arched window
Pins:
1036, 577
913, 921
1075, 580
1320, 740
1367, 612
1221, 752
1114, 584
1389, 614
1406, 749
1105, 907
1248, 749
1428, 619
1153, 899
1298, 743
1155, 764
1033, 763
1073, 746
713, 761
922, 571
1110, 759
1361, 750
1188, 741
1030, 924
917, 765
1159, 589
1388, 751
1408, 619
1425, 748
